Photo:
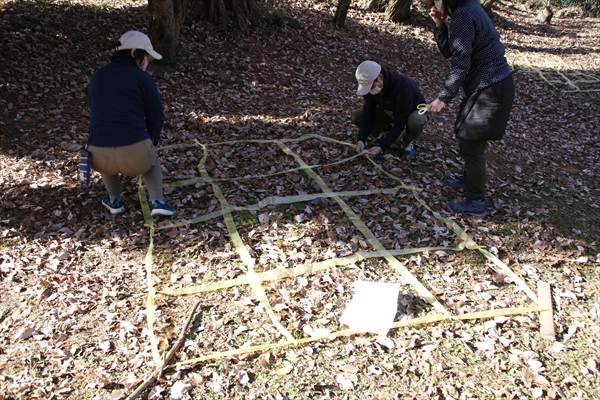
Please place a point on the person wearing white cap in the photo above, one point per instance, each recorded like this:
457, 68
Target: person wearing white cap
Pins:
126, 119
389, 99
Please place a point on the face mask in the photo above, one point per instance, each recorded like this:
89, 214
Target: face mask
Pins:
438, 4
375, 90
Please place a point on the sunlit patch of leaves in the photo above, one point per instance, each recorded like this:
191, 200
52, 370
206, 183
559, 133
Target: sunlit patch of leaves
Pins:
73, 278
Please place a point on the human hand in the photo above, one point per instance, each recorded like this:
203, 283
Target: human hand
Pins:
436, 106
360, 146
437, 16
374, 151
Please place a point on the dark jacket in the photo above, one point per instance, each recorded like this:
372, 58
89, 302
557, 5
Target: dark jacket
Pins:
401, 96
473, 44
125, 106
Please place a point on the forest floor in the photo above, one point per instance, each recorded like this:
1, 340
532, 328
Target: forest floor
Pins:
277, 217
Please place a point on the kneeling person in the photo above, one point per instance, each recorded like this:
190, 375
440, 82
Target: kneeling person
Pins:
389, 98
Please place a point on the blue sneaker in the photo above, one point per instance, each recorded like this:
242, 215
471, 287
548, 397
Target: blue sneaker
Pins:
456, 185
160, 207
409, 151
114, 206
468, 206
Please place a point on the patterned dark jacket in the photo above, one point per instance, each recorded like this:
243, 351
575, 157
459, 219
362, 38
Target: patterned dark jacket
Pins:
473, 44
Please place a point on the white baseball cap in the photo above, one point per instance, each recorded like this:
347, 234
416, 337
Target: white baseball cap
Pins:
366, 73
137, 40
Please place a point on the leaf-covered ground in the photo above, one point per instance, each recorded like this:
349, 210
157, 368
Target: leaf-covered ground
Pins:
245, 113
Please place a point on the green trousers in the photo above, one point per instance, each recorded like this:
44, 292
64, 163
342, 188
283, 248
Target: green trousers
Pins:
475, 168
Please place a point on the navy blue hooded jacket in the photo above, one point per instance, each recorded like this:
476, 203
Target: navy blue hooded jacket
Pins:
125, 106
401, 96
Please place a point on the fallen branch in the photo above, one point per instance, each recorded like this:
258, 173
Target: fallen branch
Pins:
167, 359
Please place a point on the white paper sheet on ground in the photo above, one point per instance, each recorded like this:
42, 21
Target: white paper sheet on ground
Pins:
373, 307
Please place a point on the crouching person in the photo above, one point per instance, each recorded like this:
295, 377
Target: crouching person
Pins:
392, 101
126, 119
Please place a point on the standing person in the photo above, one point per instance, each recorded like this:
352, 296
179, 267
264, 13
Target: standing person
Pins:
389, 98
477, 64
126, 119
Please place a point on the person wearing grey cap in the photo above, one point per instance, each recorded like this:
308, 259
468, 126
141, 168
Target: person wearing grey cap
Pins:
390, 99
126, 119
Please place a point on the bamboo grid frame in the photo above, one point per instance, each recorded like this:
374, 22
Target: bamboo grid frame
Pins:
557, 73
255, 280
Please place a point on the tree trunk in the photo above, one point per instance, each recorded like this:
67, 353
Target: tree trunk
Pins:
395, 10
398, 10
179, 11
487, 6
340, 13
376, 5
545, 15
224, 12
166, 17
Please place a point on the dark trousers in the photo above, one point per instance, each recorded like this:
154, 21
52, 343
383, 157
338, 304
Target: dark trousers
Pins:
482, 116
475, 168
383, 118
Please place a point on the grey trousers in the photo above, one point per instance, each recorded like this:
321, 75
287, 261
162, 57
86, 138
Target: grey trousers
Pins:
140, 158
